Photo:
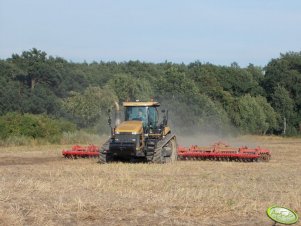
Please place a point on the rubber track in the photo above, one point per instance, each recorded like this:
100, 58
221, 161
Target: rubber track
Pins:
103, 158
158, 158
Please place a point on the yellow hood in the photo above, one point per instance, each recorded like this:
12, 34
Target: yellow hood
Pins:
130, 127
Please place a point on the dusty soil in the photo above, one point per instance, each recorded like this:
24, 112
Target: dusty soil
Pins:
39, 187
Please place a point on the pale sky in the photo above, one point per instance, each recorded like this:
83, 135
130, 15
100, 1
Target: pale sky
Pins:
215, 31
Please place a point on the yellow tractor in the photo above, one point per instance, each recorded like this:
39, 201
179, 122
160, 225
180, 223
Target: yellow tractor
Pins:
140, 137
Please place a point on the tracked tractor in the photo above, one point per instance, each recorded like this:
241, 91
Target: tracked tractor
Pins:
142, 136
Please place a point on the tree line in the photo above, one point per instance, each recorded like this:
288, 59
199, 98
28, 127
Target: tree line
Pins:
199, 96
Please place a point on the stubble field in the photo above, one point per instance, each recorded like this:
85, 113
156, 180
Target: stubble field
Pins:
39, 187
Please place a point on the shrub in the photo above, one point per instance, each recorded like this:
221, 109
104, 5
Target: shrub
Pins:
34, 126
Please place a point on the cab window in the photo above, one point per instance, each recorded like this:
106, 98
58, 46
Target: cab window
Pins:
136, 113
153, 116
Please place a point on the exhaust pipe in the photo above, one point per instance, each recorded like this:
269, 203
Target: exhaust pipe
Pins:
117, 113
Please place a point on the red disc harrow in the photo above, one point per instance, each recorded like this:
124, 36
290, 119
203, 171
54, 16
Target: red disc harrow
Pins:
78, 151
216, 152
223, 152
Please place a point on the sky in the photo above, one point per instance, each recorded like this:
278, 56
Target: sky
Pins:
215, 31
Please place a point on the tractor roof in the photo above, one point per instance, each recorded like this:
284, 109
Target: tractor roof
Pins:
141, 104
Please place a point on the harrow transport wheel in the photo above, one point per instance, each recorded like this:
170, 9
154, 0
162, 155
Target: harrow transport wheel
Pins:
264, 157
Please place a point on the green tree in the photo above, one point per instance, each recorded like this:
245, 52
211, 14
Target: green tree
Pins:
284, 105
252, 118
10, 92
91, 106
176, 83
271, 116
35, 69
129, 88
282, 102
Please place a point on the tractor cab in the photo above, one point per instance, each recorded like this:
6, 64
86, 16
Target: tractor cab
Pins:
146, 112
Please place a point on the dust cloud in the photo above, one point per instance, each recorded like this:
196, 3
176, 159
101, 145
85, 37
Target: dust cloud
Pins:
203, 129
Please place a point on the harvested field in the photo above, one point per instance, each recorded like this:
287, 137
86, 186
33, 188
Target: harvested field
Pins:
39, 187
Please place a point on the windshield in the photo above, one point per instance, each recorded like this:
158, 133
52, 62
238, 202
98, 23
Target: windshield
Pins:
148, 115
